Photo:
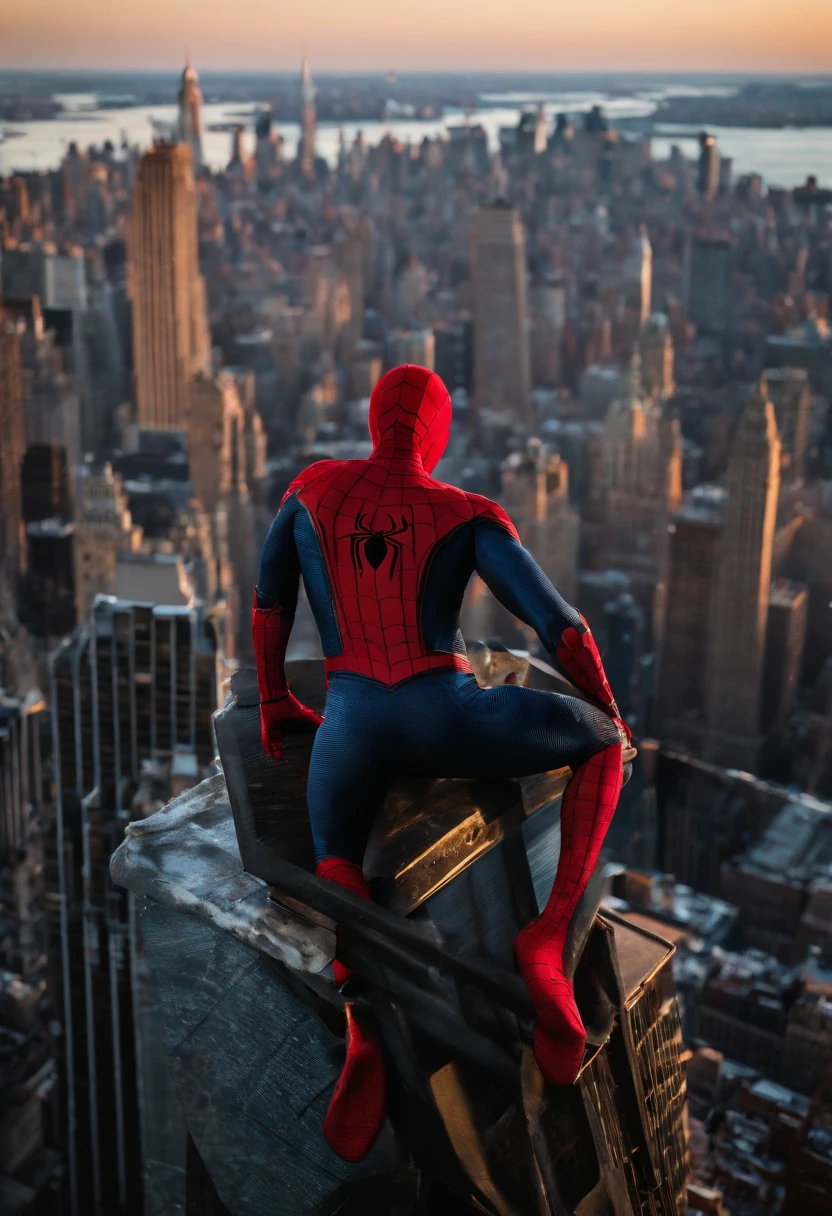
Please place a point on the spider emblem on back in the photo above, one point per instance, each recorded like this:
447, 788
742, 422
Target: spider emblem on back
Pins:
375, 543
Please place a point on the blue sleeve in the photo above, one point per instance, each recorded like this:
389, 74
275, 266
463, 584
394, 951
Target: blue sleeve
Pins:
515, 579
279, 578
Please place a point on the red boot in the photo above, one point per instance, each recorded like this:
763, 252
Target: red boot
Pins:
356, 1110
588, 804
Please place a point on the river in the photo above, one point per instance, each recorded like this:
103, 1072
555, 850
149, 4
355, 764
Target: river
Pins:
784, 157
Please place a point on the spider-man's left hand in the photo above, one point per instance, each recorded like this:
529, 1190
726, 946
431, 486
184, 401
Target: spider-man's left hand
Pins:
284, 713
624, 732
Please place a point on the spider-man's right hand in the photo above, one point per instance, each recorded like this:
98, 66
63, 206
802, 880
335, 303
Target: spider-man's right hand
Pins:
284, 713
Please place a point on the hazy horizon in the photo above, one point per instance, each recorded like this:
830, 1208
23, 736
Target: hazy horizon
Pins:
707, 38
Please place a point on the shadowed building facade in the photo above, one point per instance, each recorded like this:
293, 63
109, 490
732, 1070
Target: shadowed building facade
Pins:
693, 552
12, 444
132, 693
171, 341
739, 608
306, 148
502, 378
791, 396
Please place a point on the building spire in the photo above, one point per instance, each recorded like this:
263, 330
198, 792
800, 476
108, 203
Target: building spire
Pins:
306, 148
189, 125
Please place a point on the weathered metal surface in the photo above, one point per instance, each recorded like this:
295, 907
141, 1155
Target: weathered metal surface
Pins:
186, 857
254, 1068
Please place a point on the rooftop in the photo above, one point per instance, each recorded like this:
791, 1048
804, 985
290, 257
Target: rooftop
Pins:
797, 845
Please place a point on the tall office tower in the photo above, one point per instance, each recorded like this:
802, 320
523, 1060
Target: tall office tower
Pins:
267, 148
502, 378
707, 170
739, 607
623, 649
693, 552
411, 287
454, 354
411, 346
351, 251
65, 279
791, 396
788, 608
535, 491
239, 164
709, 282
47, 602
45, 483
636, 486
75, 172
52, 406
189, 129
215, 439
103, 529
132, 692
255, 440
656, 349
306, 146
638, 275
12, 444
547, 305
29, 1138
171, 342
22, 207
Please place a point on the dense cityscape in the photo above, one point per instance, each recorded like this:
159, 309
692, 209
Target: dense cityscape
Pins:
639, 352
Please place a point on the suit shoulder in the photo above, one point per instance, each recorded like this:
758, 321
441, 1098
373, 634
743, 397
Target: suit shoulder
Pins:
321, 470
491, 512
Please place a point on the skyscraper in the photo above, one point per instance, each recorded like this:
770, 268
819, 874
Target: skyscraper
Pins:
739, 606
694, 547
171, 341
268, 146
411, 346
791, 397
190, 118
104, 529
306, 147
656, 349
707, 174
785, 638
709, 282
132, 693
501, 340
548, 320
11, 445
215, 436
636, 487
638, 270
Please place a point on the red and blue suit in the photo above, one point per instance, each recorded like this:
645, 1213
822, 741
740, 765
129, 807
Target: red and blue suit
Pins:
386, 552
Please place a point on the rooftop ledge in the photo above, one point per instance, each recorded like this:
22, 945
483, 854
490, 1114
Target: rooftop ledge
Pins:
238, 935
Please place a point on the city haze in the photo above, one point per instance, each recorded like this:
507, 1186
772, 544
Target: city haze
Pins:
470, 34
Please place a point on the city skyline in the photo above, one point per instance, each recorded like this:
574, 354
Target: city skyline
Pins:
641, 37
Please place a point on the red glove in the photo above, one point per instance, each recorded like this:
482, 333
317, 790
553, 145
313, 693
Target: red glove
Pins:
279, 710
578, 656
285, 713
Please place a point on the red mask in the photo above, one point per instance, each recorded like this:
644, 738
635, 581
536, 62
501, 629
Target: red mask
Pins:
410, 416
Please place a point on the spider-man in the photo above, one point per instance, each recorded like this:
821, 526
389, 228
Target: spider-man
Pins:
386, 552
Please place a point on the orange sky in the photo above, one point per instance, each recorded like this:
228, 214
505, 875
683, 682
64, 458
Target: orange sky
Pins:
703, 35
